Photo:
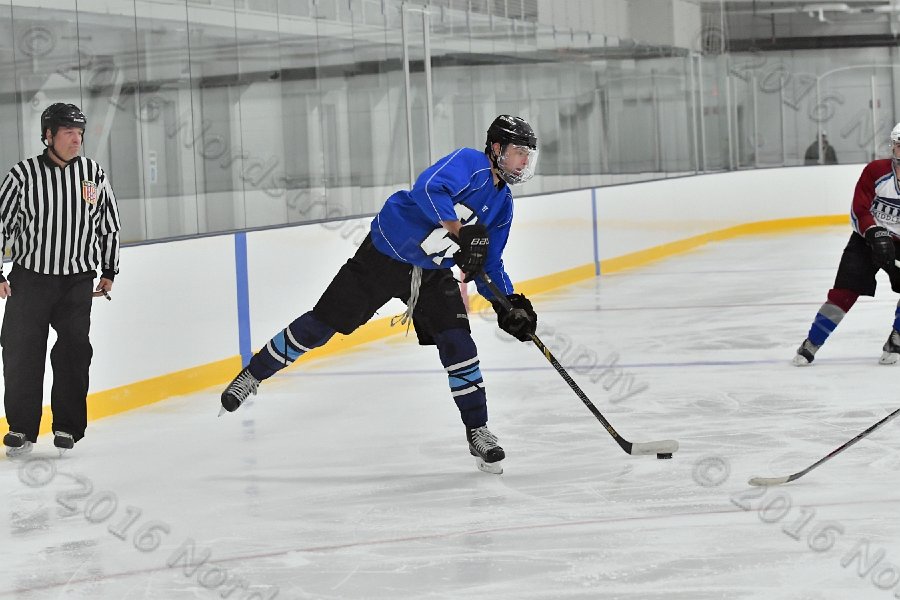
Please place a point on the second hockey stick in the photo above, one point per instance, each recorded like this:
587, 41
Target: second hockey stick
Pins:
661, 448
767, 481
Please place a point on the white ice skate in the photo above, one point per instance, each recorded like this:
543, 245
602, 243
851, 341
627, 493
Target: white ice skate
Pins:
891, 349
806, 354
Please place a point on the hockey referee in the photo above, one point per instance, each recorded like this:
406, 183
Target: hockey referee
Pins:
58, 213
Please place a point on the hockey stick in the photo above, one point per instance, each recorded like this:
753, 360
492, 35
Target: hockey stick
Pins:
662, 448
767, 481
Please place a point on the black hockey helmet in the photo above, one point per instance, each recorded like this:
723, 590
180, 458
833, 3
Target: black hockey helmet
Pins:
61, 115
507, 130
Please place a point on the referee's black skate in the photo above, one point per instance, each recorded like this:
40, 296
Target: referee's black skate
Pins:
238, 390
63, 441
484, 447
16, 444
891, 349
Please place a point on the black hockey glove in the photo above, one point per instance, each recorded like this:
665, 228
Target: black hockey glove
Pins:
882, 246
520, 321
473, 243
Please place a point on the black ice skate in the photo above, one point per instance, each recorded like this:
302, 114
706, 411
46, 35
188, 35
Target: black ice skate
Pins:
891, 349
238, 390
16, 444
806, 353
484, 447
63, 441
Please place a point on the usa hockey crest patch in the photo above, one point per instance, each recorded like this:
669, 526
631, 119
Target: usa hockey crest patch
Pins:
89, 192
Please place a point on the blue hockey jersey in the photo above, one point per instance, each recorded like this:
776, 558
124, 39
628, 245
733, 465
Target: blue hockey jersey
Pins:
460, 187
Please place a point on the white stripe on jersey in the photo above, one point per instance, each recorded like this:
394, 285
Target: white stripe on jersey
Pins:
886, 204
60, 221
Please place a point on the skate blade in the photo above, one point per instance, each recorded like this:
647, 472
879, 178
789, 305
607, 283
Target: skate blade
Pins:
20, 451
222, 411
494, 468
62, 451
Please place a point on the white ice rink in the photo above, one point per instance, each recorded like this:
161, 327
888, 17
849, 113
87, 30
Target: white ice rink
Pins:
350, 477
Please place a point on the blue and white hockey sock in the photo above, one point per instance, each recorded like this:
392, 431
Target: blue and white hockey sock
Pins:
897, 317
460, 359
289, 344
824, 324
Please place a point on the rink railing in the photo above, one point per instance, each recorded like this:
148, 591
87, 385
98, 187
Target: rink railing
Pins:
187, 313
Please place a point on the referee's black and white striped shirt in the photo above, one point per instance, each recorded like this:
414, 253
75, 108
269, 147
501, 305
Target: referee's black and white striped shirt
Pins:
60, 220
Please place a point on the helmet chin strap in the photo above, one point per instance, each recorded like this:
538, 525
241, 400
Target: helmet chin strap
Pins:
51, 149
495, 159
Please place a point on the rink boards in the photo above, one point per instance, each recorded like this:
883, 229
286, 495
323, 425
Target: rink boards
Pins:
184, 311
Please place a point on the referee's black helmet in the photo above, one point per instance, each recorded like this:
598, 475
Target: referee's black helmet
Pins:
59, 115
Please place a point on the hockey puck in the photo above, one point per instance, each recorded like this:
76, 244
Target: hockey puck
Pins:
665, 455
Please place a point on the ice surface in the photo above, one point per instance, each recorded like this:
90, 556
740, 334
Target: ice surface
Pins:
350, 477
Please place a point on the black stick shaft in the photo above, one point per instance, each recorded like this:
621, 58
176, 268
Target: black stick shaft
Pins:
767, 481
504, 301
840, 449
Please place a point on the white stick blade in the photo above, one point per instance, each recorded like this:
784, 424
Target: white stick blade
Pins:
660, 447
767, 481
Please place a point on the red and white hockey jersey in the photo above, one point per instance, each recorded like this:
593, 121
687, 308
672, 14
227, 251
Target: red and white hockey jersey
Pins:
876, 200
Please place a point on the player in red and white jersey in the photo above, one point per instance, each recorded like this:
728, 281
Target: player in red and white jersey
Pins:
875, 216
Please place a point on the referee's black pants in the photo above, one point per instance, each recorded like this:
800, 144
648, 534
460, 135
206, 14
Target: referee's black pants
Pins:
37, 302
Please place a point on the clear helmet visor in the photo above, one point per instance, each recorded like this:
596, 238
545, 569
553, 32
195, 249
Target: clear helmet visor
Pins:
895, 151
516, 164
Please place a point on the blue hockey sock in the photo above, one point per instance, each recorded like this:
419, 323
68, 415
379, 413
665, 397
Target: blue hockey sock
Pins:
897, 317
460, 359
304, 334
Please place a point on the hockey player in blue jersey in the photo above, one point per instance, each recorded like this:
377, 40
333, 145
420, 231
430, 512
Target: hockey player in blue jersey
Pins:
458, 212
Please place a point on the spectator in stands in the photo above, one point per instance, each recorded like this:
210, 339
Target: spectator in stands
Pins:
812, 153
